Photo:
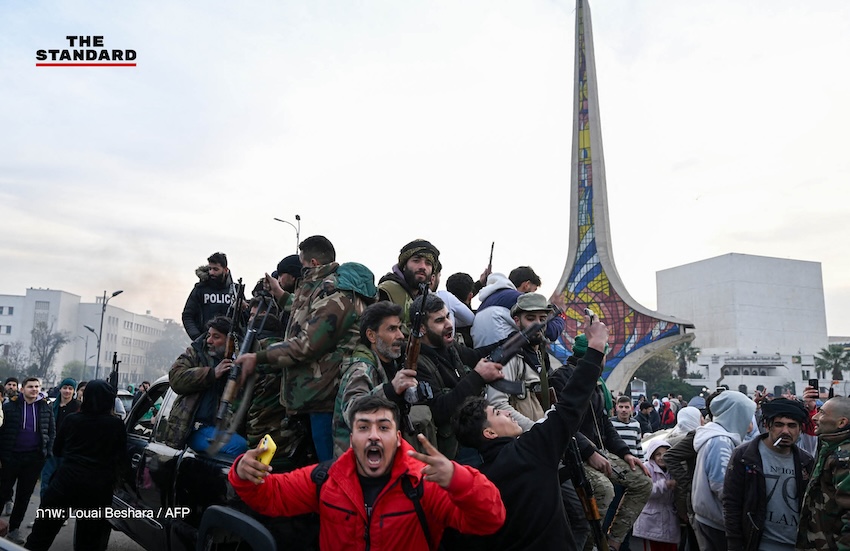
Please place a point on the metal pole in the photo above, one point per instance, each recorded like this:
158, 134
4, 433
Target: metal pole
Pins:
100, 336
296, 228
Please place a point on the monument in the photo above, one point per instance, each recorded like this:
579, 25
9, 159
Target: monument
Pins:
590, 278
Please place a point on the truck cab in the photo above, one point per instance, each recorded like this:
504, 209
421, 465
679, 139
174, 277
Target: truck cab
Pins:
176, 499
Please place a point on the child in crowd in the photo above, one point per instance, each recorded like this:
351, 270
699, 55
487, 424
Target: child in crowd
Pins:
657, 527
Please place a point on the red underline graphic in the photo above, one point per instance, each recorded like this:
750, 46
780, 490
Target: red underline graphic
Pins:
85, 64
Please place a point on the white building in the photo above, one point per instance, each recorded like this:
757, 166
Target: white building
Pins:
127, 333
759, 320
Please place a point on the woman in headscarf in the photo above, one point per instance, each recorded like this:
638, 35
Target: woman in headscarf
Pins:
688, 419
93, 446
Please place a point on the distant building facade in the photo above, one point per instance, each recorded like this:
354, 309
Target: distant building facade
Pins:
127, 333
759, 320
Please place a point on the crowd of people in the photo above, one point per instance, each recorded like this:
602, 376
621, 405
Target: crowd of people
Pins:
342, 382
73, 443
404, 419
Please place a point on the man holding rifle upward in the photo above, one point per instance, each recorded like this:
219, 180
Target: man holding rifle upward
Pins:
524, 465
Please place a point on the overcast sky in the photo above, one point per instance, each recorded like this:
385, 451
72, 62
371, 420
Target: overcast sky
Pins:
724, 125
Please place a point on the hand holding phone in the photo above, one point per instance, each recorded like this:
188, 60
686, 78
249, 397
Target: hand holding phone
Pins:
267, 448
815, 384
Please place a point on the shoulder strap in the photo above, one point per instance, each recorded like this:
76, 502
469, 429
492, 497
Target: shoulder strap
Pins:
319, 475
414, 494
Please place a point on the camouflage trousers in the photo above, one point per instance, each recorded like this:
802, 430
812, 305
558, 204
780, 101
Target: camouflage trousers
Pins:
638, 487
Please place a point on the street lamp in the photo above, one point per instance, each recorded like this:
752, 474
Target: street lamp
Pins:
297, 230
100, 334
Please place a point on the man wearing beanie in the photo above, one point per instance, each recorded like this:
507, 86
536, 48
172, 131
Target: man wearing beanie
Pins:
63, 406
769, 475
281, 284
416, 264
732, 412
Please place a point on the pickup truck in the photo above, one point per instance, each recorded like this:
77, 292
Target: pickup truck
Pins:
176, 499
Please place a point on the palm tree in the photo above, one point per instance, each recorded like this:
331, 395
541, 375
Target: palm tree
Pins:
685, 354
834, 357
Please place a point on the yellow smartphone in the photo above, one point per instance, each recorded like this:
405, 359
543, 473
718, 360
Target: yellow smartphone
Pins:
270, 447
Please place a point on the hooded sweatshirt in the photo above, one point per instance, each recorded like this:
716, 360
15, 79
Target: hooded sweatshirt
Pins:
714, 443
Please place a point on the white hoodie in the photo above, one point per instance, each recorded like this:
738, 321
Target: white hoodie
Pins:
493, 323
714, 443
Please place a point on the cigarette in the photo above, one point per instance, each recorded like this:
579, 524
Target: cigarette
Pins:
778, 440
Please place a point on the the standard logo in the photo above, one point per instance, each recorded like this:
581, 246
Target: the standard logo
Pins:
86, 51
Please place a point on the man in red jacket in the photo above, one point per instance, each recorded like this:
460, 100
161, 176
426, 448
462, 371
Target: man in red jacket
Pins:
380, 494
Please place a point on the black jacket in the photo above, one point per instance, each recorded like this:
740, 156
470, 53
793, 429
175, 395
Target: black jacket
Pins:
744, 508
525, 469
596, 431
13, 419
206, 301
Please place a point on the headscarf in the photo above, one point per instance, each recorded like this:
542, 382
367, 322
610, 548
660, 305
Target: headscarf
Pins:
98, 398
687, 420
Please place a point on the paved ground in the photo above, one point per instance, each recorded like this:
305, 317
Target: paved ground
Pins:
65, 539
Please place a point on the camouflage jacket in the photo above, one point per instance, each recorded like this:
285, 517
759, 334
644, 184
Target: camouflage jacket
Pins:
362, 373
323, 327
192, 374
825, 516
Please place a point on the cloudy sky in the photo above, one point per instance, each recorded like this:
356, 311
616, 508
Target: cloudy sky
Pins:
724, 125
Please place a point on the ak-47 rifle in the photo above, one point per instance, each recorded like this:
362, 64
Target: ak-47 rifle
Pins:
510, 348
422, 392
584, 491
225, 424
113, 375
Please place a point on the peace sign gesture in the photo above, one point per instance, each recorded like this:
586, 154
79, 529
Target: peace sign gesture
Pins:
438, 468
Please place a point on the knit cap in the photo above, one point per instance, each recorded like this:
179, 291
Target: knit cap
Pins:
419, 247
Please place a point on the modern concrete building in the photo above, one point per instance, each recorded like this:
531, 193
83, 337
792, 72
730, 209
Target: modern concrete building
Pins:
127, 333
759, 320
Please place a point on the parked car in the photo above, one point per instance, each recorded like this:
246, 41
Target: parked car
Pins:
176, 499
126, 398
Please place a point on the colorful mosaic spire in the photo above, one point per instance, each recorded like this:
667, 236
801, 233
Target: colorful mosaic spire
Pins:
590, 278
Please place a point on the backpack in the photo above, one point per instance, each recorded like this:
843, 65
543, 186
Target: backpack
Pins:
319, 475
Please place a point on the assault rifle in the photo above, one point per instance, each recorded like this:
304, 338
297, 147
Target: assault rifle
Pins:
584, 491
422, 392
226, 424
113, 375
510, 348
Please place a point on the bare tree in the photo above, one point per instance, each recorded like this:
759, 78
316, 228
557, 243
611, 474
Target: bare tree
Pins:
161, 355
46, 343
14, 360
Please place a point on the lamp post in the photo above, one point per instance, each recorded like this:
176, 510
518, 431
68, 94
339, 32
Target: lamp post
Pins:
296, 228
93, 332
100, 334
85, 353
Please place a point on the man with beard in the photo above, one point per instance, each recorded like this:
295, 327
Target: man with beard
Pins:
199, 376
10, 389
416, 263
530, 366
444, 365
211, 296
380, 494
373, 367
767, 478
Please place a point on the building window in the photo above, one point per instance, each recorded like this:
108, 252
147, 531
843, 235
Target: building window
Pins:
734, 372
1, 310
11, 310
42, 311
746, 372
8, 329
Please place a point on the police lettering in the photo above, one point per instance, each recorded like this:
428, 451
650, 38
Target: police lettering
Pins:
217, 298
